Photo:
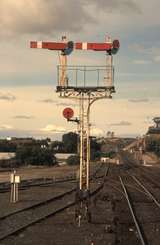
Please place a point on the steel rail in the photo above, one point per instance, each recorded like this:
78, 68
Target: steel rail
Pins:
33, 183
43, 217
44, 182
116, 182
49, 199
147, 191
136, 188
138, 227
39, 219
44, 202
149, 178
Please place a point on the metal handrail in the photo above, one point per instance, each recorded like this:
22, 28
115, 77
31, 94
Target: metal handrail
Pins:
86, 76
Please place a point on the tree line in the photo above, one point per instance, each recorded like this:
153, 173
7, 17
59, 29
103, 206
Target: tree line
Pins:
42, 152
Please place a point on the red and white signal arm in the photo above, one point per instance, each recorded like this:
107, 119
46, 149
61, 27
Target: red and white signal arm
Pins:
68, 113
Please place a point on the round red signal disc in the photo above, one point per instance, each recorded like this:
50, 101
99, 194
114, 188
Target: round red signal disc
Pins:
68, 113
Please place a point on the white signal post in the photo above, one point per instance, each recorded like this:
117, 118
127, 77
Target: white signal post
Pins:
86, 94
63, 63
15, 180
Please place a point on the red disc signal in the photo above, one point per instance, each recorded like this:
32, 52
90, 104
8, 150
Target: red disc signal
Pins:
68, 113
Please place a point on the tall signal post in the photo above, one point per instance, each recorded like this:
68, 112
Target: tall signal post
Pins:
86, 84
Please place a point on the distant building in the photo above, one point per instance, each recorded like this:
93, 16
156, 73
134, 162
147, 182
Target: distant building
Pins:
155, 130
105, 159
110, 160
19, 141
28, 140
7, 155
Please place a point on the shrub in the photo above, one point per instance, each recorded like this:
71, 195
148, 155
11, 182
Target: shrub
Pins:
73, 160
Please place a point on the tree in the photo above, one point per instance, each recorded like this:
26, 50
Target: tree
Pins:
73, 160
57, 146
70, 142
34, 155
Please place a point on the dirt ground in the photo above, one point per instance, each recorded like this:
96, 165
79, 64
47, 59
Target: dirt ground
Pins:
40, 172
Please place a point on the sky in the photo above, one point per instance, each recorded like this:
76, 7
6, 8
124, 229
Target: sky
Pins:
28, 102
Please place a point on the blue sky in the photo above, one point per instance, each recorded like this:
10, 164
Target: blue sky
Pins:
27, 77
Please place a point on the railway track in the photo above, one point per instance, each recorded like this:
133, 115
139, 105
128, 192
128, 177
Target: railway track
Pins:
43, 182
38, 204
15, 222
132, 210
141, 171
147, 191
20, 220
132, 204
150, 177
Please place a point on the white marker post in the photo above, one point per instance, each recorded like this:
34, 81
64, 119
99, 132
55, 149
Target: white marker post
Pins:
15, 180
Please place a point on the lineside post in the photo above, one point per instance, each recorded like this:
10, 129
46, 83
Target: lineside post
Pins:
15, 180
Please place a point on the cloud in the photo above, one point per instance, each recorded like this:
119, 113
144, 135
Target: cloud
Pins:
157, 58
141, 62
120, 5
122, 123
5, 127
51, 101
19, 17
152, 52
38, 134
139, 48
7, 97
23, 117
42, 16
50, 128
148, 120
138, 100
97, 132
66, 104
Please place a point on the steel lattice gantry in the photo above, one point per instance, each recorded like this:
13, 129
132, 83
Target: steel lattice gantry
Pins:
73, 83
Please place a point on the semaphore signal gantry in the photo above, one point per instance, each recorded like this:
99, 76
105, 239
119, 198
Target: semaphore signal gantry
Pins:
86, 84
75, 79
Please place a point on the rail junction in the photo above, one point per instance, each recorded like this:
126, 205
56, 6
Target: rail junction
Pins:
125, 210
